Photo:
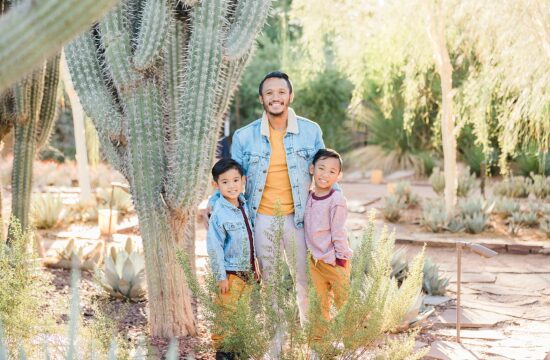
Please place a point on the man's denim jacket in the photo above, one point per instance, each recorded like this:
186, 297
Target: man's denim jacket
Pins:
227, 238
251, 148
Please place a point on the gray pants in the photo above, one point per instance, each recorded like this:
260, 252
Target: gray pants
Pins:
293, 246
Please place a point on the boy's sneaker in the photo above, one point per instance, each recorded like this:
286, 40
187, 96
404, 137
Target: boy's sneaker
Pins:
220, 355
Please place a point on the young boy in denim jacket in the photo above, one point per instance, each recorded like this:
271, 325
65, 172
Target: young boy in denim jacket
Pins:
326, 237
229, 242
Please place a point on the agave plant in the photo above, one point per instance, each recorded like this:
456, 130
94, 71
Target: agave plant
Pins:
404, 192
46, 210
466, 182
433, 283
116, 197
540, 188
123, 275
437, 179
74, 256
505, 206
433, 215
399, 265
516, 187
392, 208
455, 225
515, 223
476, 222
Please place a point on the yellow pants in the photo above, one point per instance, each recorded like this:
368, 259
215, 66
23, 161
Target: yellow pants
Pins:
228, 301
331, 282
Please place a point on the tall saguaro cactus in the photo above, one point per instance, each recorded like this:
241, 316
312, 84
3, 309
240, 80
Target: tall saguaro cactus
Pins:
30, 107
156, 77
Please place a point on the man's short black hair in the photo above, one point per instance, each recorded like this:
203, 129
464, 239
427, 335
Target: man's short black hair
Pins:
278, 75
225, 165
327, 153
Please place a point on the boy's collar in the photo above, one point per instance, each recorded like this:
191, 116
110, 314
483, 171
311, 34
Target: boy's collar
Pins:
227, 204
291, 127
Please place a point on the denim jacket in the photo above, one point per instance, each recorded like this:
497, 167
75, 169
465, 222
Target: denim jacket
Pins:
251, 149
227, 238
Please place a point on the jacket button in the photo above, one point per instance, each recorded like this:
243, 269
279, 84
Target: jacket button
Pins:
260, 190
254, 208
264, 171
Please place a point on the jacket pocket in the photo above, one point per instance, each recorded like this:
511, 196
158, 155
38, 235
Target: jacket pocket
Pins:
237, 247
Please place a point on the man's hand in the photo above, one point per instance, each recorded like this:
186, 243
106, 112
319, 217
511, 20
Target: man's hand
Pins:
223, 286
203, 213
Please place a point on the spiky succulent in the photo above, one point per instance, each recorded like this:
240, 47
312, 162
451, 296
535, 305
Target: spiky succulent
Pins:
404, 192
505, 206
433, 215
540, 188
123, 274
476, 222
46, 210
455, 225
437, 179
516, 187
117, 198
466, 182
399, 265
392, 208
433, 283
73, 255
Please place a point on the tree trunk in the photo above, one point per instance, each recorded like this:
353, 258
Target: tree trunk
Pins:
79, 136
436, 34
170, 307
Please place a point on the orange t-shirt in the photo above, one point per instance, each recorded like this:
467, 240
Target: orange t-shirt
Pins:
277, 184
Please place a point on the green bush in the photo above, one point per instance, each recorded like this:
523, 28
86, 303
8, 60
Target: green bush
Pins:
376, 305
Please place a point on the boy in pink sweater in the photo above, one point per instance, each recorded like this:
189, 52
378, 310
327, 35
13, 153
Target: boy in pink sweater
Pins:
326, 237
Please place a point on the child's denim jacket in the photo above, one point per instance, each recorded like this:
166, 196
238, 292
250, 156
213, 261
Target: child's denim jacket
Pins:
227, 238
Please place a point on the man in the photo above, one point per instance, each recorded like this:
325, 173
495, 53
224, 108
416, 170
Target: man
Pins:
275, 152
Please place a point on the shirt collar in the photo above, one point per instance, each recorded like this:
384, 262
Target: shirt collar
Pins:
227, 204
291, 127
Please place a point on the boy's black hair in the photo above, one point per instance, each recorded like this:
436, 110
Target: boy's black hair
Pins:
225, 165
327, 153
278, 75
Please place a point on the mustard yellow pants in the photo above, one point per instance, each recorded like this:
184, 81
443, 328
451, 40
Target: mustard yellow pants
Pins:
331, 283
228, 302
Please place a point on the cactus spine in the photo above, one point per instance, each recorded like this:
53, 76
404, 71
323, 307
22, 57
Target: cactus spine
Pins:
156, 77
33, 31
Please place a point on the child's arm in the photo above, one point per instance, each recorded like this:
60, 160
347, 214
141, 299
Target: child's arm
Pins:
215, 240
338, 216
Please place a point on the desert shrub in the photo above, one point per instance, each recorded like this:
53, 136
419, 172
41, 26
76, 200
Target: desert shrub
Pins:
515, 187
466, 182
474, 214
437, 179
22, 286
404, 192
540, 188
117, 197
544, 226
505, 206
46, 210
432, 282
393, 205
434, 215
376, 305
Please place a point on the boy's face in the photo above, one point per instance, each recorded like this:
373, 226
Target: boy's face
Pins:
230, 184
326, 172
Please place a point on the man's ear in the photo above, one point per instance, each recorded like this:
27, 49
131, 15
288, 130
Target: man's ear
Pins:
311, 167
291, 97
261, 99
215, 185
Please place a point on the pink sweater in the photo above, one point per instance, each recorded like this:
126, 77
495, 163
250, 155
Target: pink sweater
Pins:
324, 221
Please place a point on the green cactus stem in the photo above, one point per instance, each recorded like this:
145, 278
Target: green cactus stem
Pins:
34, 31
156, 77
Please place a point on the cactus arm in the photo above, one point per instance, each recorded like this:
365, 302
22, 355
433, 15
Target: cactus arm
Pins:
153, 31
24, 151
197, 103
33, 31
115, 36
22, 95
48, 108
86, 74
249, 18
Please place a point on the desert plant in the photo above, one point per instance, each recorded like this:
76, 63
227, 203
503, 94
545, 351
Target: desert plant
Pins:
466, 182
404, 192
476, 222
46, 210
544, 225
433, 215
505, 206
123, 275
455, 225
159, 75
515, 187
31, 107
437, 179
393, 206
399, 265
515, 223
73, 255
433, 283
22, 288
376, 304
540, 187
117, 198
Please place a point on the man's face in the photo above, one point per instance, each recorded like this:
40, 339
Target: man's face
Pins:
276, 96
